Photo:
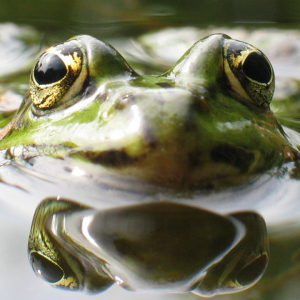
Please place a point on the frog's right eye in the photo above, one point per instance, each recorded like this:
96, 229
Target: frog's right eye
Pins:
45, 268
249, 73
58, 76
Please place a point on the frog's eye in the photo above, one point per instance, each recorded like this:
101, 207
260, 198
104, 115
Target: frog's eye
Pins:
249, 73
46, 268
50, 69
58, 76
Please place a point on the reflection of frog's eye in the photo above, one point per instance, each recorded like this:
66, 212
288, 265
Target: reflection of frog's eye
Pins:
46, 268
58, 77
249, 73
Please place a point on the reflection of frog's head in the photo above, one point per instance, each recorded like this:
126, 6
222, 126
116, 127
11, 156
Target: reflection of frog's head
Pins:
160, 246
207, 118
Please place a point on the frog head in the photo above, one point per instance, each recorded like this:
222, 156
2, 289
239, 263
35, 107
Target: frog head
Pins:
206, 121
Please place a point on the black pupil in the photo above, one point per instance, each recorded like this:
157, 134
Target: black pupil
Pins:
45, 268
49, 69
257, 68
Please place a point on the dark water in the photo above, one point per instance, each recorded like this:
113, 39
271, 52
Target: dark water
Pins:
56, 21
119, 18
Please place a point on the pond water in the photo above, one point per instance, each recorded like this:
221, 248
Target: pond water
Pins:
144, 33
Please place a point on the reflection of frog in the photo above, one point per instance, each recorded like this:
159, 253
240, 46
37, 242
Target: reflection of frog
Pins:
204, 123
154, 246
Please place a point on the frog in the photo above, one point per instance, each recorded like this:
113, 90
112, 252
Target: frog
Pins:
206, 123
203, 125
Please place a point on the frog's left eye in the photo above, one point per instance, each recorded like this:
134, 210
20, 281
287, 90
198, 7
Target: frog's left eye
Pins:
50, 69
249, 73
58, 76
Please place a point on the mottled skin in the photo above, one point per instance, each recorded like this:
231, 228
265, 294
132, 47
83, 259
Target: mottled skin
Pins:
205, 122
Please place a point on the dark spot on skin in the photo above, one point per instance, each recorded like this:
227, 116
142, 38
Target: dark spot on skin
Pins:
235, 156
164, 84
190, 124
200, 104
152, 145
198, 107
111, 158
235, 49
69, 48
194, 159
150, 138
44, 100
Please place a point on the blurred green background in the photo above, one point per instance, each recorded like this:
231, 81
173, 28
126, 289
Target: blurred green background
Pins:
122, 17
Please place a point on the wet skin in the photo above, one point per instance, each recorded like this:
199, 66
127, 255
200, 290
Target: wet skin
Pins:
204, 123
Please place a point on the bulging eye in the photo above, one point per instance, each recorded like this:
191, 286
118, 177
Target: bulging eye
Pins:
58, 76
45, 268
249, 73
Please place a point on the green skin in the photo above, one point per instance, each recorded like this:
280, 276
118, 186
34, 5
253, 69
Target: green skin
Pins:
198, 125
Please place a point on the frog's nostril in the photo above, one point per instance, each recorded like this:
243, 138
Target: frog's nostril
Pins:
257, 68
